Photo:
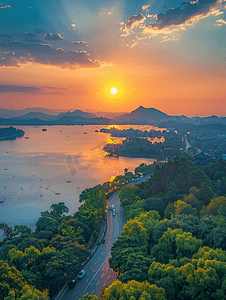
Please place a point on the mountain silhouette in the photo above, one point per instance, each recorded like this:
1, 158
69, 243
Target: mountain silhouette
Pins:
143, 115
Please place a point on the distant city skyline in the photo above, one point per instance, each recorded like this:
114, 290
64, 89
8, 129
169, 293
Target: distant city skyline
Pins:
114, 56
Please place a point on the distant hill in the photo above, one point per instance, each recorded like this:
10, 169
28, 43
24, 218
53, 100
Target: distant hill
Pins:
106, 114
142, 115
37, 115
75, 113
11, 113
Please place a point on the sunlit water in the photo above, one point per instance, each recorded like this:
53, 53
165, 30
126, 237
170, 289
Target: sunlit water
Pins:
54, 166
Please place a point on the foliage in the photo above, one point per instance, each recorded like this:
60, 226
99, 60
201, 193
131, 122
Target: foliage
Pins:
213, 206
13, 286
175, 244
179, 207
202, 277
133, 290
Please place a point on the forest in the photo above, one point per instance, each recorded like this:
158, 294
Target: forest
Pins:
35, 265
173, 245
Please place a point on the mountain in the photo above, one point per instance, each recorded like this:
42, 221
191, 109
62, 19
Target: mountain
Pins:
75, 113
142, 115
36, 115
105, 114
11, 113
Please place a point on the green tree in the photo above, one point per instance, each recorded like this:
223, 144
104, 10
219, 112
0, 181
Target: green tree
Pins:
128, 194
122, 247
137, 228
89, 297
58, 209
175, 244
202, 277
133, 290
213, 206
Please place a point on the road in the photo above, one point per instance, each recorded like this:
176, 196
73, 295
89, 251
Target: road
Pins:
98, 273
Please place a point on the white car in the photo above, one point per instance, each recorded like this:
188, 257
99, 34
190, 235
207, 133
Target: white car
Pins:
81, 274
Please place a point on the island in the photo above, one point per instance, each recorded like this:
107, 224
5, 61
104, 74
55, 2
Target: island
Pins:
10, 133
149, 144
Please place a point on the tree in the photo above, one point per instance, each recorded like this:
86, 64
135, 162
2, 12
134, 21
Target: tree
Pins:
135, 227
128, 194
133, 290
48, 224
175, 244
213, 206
59, 209
10, 280
21, 230
202, 277
149, 220
121, 248
8, 231
136, 268
30, 241
89, 297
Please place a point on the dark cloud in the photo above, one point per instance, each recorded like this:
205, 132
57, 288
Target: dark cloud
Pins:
134, 21
30, 37
39, 31
180, 16
6, 36
53, 37
15, 54
19, 89
79, 43
32, 89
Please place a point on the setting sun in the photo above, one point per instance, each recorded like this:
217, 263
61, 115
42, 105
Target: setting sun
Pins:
114, 91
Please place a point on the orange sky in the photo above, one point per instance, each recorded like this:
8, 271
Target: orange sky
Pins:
177, 69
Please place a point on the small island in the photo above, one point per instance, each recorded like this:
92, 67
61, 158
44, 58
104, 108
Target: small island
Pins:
150, 144
10, 133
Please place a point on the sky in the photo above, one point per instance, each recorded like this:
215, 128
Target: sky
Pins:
64, 54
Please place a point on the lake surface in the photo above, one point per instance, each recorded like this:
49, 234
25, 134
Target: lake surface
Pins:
46, 167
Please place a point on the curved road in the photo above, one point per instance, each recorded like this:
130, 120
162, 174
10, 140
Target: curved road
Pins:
98, 273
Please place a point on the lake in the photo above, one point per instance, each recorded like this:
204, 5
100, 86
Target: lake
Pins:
46, 167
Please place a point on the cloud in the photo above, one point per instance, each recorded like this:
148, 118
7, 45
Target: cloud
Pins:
144, 7
72, 26
192, 11
31, 89
19, 89
30, 37
220, 22
79, 43
133, 21
6, 6
6, 36
16, 54
53, 37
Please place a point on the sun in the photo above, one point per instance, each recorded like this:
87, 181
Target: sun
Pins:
113, 90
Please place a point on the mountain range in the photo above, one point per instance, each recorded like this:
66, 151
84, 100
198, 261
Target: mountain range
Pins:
141, 115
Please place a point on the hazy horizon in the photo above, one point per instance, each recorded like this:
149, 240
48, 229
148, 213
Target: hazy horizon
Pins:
98, 112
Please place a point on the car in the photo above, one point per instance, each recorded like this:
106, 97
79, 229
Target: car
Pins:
111, 207
81, 274
113, 212
72, 283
